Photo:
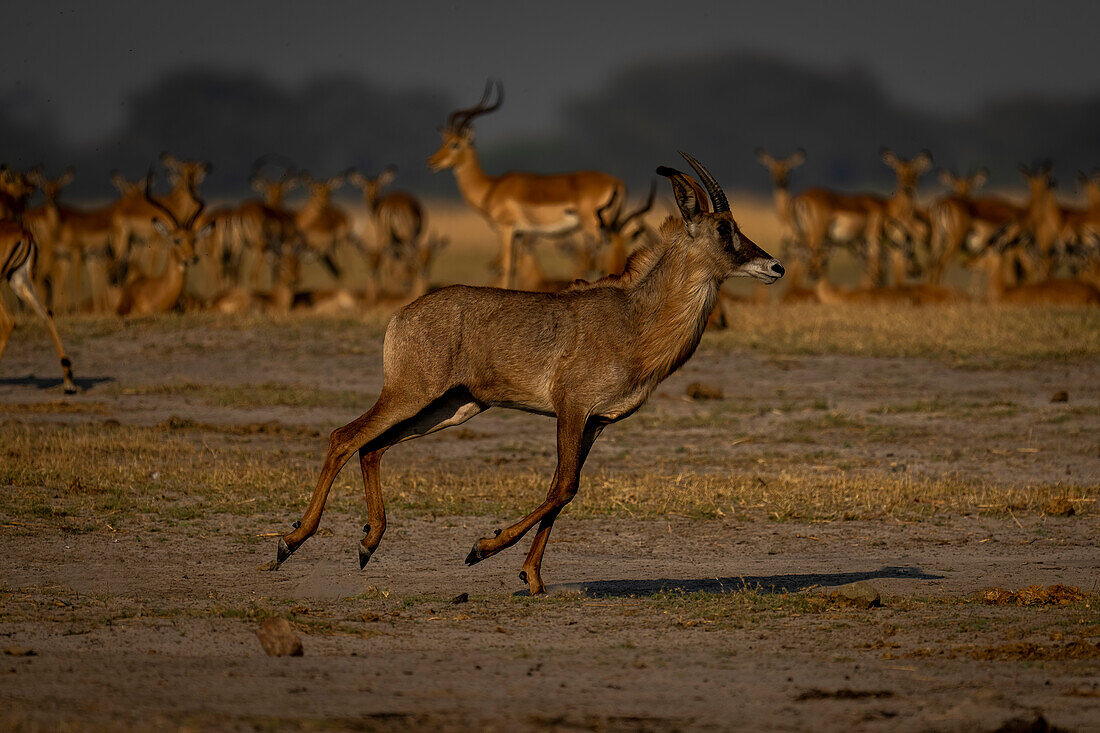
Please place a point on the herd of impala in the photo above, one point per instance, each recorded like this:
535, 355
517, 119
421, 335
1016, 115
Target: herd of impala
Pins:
133, 255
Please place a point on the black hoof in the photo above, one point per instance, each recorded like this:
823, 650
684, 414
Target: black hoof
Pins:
296, 525
366, 529
364, 556
496, 533
475, 556
283, 552
72, 390
523, 575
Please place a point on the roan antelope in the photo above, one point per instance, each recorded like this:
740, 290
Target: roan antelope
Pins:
521, 203
18, 253
589, 356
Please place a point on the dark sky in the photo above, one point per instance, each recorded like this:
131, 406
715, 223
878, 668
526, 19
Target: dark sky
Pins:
943, 56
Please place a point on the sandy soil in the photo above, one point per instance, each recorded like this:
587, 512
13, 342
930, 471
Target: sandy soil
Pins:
651, 623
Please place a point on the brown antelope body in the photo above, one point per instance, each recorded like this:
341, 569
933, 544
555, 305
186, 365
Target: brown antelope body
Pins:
1056, 291
518, 203
589, 356
322, 225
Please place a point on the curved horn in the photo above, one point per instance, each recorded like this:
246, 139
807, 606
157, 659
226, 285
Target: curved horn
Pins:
644, 208
146, 184
715, 191
460, 119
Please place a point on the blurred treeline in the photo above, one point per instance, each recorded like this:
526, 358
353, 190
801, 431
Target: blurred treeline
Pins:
718, 108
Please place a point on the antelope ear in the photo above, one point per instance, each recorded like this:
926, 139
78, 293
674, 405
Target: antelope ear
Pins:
205, 231
66, 177
923, 161
763, 156
945, 177
387, 176
690, 196
889, 157
162, 228
980, 177
796, 158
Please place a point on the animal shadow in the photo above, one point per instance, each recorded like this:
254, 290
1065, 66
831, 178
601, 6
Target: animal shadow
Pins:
786, 583
84, 383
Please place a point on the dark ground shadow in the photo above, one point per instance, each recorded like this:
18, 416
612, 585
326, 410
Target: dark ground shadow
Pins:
790, 583
84, 383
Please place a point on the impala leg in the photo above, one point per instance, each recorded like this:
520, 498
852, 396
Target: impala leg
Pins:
532, 566
21, 283
571, 454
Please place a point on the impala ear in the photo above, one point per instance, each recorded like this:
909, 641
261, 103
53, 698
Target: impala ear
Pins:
980, 177
386, 177
945, 177
923, 161
796, 158
162, 228
889, 157
205, 231
690, 196
763, 156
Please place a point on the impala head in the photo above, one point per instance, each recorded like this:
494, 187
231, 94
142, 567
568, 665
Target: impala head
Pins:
189, 173
458, 134
50, 187
1040, 178
907, 171
125, 186
18, 186
780, 168
716, 233
321, 190
182, 236
963, 185
273, 191
614, 223
371, 187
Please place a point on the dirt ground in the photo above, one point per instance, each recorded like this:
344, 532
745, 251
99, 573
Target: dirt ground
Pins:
132, 596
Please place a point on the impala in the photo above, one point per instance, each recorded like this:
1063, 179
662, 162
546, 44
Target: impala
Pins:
520, 203
263, 225
18, 253
398, 216
589, 356
74, 240
1058, 291
148, 294
323, 226
962, 222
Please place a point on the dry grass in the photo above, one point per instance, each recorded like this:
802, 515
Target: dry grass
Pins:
124, 471
251, 395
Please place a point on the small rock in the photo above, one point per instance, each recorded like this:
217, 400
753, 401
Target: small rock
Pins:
700, 391
859, 594
460, 598
1062, 396
278, 639
1061, 507
19, 651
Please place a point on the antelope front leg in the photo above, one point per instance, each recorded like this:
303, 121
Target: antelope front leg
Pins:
572, 450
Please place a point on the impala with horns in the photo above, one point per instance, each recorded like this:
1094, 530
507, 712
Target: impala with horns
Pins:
147, 294
588, 356
520, 203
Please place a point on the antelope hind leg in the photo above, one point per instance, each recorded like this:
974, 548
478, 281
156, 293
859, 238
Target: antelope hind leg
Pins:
441, 414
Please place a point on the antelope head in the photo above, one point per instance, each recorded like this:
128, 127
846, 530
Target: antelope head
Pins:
1040, 179
321, 191
716, 233
372, 187
189, 173
50, 187
780, 168
18, 186
963, 185
458, 134
907, 171
182, 236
